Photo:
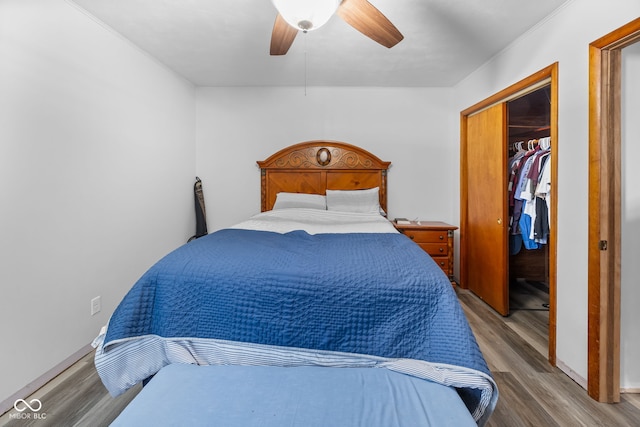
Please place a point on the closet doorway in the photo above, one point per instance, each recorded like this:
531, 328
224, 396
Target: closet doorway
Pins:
529, 152
605, 216
491, 133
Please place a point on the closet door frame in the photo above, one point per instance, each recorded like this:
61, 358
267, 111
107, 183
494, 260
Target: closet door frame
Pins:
605, 142
546, 76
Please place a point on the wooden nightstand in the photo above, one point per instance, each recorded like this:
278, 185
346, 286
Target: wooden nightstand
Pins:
435, 238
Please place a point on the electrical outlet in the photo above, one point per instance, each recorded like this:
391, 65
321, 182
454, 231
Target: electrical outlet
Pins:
96, 306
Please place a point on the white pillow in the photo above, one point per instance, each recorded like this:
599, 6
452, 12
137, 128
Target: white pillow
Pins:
300, 200
361, 201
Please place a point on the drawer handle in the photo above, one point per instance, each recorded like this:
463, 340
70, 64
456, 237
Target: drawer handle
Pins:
411, 237
442, 263
441, 249
441, 237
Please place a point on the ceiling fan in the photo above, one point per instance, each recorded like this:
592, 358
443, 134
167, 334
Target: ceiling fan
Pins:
306, 15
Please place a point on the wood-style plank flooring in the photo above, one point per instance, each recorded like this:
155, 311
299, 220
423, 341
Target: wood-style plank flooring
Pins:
532, 393
74, 398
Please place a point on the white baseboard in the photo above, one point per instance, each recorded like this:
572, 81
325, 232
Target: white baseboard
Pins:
33, 386
582, 382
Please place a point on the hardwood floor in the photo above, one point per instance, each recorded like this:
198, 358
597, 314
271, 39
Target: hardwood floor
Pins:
532, 393
74, 398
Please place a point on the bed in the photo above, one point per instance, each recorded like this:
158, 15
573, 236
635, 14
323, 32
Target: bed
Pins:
315, 311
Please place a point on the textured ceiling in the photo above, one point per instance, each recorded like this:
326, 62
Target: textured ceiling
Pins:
226, 42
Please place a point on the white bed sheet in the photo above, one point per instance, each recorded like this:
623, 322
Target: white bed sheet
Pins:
316, 221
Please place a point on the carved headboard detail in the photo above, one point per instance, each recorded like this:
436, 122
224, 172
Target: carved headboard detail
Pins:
315, 166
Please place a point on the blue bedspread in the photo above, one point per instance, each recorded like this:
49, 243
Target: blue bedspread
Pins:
373, 294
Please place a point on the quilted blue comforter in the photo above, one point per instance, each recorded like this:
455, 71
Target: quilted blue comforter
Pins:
373, 294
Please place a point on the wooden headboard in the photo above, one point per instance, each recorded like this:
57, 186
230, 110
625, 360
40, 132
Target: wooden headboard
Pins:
315, 166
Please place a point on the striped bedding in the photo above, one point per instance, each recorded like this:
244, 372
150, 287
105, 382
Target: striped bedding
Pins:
288, 297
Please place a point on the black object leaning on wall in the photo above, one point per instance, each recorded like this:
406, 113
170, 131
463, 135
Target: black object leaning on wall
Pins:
201, 215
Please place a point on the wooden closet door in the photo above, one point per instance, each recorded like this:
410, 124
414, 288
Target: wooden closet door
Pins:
486, 225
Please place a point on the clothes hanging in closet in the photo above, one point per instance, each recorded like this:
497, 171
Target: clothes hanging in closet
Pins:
529, 195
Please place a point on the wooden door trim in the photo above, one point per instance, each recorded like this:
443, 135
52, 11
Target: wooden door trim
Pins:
530, 82
549, 73
605, 87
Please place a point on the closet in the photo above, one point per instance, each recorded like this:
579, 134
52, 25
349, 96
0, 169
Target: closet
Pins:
492, 131
529, 199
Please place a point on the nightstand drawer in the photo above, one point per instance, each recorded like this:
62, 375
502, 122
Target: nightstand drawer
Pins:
443, 263
435, 249
427, 236
435, 238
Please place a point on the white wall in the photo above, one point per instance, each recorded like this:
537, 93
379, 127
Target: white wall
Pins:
563, 37
411, 127
630, 291
97, 163
96, 172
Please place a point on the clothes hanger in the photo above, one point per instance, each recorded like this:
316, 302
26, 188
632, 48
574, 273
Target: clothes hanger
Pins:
542, 143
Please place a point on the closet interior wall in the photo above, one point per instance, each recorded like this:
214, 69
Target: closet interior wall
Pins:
529, 118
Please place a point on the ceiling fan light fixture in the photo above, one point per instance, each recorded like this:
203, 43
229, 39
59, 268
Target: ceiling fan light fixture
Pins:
306, 15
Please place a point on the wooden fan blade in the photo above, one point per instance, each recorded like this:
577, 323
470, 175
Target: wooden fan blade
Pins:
364, 17
282, 36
